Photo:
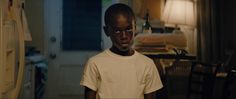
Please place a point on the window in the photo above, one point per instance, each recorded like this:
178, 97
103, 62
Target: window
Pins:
81, 25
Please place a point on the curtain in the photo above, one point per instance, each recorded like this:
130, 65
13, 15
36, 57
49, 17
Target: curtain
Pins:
209, 39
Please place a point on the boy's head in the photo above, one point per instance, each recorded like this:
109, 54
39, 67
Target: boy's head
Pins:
120, 26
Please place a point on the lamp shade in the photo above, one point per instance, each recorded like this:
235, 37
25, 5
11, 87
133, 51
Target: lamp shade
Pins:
179, 12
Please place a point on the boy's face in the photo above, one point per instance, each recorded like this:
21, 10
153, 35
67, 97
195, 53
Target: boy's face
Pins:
121, 32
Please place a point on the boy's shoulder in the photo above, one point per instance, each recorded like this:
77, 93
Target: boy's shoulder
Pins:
100, 55
143, 57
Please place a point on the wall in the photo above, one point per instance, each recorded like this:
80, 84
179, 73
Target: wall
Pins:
226, 23
140, 7
34, 13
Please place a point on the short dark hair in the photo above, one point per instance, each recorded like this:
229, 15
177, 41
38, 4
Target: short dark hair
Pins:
117, 9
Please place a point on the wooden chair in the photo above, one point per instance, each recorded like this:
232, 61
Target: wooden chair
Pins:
201, 80
177, 78
230, 79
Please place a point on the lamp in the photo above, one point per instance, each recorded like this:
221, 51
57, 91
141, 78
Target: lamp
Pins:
179, 12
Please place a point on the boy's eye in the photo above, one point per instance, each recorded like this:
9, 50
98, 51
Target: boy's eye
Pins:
127, 31
117, 31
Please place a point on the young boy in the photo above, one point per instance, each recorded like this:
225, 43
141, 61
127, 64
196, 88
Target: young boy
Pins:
120, 72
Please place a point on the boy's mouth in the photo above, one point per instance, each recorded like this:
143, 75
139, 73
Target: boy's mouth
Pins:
125, 44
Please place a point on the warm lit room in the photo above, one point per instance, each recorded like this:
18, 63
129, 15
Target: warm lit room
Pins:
92, 49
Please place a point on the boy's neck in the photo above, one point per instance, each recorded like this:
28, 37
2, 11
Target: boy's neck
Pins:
129, 52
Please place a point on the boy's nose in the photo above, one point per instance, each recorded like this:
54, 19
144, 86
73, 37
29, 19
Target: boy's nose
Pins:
123, 34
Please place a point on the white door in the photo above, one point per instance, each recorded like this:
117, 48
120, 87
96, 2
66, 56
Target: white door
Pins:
65, 67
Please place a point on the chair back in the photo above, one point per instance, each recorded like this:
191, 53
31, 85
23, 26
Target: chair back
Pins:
230, 69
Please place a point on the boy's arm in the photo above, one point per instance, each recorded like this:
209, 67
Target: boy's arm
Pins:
89, 94
149, 95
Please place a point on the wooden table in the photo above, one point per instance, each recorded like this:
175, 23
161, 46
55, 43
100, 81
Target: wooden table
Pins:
170, 56
156, 57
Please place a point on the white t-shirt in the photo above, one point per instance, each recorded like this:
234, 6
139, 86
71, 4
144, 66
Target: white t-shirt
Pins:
115, 76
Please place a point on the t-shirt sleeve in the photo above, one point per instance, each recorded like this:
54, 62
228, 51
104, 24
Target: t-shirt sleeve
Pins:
90, 76
153, 81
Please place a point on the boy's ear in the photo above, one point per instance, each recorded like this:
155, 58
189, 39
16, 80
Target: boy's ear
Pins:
135, 34
105, 28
